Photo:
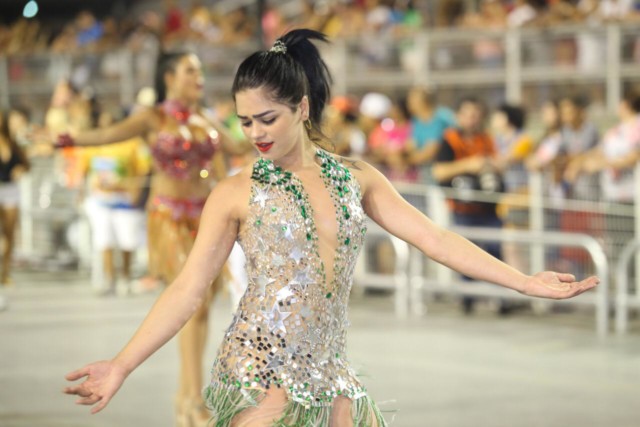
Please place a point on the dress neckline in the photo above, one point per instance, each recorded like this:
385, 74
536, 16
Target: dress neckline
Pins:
335, 178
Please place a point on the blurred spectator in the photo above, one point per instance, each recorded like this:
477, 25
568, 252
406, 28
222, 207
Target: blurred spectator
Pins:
522, 13
449, 13
115, 176
488, 51
615, 156
428, 123
465, 162
388, 143
373, 108
513, 146
89, 31
13, 164
173, 20
579, 135
342, 127
614, 160
237, 26
346, 20
550, 142
144, 43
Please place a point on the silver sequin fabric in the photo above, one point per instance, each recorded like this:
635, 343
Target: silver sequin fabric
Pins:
290, 327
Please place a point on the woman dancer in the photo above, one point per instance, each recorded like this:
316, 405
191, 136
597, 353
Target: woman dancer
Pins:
13, 164
185, 145
299, 213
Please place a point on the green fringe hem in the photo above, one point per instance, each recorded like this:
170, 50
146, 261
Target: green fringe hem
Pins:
227, 402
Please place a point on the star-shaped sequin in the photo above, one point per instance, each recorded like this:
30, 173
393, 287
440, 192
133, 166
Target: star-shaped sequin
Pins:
261, 196
262, 281
276, 318
277, 260
296, 254
342, 383
284, 293
284, 230
301, 278
275, 363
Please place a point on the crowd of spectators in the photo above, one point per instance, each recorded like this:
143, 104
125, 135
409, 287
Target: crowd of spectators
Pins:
178, 22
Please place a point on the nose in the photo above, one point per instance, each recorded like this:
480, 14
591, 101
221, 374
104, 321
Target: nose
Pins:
256, 132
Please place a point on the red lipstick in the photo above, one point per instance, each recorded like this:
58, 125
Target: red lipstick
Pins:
264, 146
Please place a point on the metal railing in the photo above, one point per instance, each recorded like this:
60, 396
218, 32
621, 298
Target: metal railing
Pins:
624, 300
398, 281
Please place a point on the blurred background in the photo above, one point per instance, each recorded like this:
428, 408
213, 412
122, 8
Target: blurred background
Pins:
551, 85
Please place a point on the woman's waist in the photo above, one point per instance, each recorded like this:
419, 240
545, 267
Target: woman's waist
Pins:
192, 188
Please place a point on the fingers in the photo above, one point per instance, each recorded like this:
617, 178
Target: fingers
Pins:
75, 375
90, 400
99, 407
566, 277
77, 390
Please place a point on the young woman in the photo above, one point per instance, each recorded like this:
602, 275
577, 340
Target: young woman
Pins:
300, 215
13, 164
186, 146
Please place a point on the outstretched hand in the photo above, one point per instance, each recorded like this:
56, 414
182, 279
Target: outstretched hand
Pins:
549, 284
104, 379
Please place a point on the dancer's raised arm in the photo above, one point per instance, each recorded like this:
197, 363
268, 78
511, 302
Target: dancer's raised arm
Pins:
386, 207
217, 233
137, 124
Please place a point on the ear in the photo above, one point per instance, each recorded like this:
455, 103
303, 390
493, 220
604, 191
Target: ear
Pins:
304, 108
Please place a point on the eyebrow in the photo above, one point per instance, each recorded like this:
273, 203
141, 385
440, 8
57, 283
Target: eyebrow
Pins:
256, 116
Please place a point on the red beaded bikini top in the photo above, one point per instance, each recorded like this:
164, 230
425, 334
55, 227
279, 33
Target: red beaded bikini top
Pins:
177, 156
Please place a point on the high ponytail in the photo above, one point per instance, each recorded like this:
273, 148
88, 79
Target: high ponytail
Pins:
291, 69
166, 64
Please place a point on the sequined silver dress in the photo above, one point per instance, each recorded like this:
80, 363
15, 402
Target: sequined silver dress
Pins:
290, 328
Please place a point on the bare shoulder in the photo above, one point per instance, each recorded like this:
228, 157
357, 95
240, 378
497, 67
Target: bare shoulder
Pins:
361, 170
233, 192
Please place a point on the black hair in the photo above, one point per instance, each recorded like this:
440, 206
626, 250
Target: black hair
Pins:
166, 63
633, 101
403, 107
516, 116
13, 145
289, 71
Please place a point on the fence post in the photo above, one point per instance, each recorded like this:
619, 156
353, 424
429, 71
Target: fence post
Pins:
4, 83
614, 82
513, 62
536, 219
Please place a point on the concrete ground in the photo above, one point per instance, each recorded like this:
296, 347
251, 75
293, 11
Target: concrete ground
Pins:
444, 369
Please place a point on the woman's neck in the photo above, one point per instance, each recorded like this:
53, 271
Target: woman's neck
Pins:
301, 156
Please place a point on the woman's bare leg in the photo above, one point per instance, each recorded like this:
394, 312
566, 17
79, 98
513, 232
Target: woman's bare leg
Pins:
9, 218
269, 410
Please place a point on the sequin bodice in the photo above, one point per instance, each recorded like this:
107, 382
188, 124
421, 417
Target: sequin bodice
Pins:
289, 330
178, 157
179, 154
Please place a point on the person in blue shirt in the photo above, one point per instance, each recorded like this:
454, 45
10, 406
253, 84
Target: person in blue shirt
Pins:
428, 123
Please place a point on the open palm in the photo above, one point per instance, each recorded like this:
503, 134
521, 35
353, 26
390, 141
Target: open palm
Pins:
549, 284
104, 379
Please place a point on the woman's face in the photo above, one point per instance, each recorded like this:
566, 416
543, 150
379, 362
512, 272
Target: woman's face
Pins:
549, 115
569, 113
499, 122
186, 81
272, 127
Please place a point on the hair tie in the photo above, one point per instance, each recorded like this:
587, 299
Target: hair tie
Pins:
279, 47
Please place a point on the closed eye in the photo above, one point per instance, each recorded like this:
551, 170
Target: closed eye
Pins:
269, 121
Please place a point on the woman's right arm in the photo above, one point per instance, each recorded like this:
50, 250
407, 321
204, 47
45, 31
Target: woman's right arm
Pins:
217, 233
135, 125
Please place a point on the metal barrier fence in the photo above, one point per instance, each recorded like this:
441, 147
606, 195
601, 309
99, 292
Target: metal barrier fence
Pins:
625, 300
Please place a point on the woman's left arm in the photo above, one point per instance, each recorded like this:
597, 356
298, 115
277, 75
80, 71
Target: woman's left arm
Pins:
385, 206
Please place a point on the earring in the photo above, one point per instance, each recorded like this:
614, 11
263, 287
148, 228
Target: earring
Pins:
307, 124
